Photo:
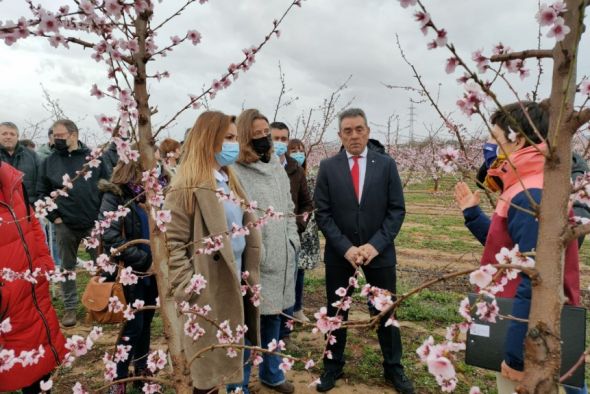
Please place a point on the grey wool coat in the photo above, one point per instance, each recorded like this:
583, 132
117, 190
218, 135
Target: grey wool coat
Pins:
222, 293
268, 185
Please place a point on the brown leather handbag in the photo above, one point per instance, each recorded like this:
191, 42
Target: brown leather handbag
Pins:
96, 300
97, 294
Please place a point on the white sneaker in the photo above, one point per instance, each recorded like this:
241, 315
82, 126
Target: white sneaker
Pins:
299, 315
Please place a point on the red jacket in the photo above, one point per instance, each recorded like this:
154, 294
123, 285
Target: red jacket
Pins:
33, 319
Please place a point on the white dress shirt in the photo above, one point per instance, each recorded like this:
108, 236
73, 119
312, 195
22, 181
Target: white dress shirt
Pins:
362, 162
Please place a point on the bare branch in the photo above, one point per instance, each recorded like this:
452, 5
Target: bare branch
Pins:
583, 117
527, 54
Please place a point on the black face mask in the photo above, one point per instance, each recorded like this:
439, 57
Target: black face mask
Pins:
261, 145
60, 144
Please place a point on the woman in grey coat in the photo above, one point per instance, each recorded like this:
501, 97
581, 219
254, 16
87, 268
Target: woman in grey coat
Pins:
266, 182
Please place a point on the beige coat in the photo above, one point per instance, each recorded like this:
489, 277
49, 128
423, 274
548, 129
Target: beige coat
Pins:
222, 293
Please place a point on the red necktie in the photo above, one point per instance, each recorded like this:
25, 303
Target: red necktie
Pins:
354, 171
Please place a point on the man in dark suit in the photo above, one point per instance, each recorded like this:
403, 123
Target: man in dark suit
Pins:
360, 210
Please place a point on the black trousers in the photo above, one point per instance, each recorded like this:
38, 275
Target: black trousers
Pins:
389, 337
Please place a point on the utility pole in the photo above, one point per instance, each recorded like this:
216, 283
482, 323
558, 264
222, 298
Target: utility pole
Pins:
412, 120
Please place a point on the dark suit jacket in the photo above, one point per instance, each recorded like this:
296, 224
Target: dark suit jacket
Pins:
376, 220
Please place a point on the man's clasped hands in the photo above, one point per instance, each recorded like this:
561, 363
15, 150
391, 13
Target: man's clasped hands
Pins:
361, 255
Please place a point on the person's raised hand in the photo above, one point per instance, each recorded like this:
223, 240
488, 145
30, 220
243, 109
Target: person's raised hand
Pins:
464, 197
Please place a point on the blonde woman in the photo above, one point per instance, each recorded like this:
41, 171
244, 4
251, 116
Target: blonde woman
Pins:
266, 182
208, 152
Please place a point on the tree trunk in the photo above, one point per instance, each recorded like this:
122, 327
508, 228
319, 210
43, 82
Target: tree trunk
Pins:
542, 344
181, 372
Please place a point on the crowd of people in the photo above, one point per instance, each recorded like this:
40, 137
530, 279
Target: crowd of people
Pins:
356, 200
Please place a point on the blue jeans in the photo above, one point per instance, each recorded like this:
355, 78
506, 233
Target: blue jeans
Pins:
52, 242
269, 372
247, 368
284, 331
575, 390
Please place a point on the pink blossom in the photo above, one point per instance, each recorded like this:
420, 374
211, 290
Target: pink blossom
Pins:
128, 277
309, 364
475, 390
192, 329
559, 30
452, 63
559, 7
113, 8
256, 359
341, 292
407, 3
194, 36
546, 15
95, 91
46, 385
441, 38
481, 61
440, 366
5, 326
67, 182
585, 87
487, 311
423, 18
48, 22
78, 389
151, 388
122, 353
483, 276
156, 360
465, 309
286, 365
196, 284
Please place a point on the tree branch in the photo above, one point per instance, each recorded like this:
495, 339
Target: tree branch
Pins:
527, 54
583, 117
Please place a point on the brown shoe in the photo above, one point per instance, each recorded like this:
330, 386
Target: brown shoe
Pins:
285, 387
69, 318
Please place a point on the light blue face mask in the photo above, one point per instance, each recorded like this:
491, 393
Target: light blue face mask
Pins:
280, 148
229, 154
299, 157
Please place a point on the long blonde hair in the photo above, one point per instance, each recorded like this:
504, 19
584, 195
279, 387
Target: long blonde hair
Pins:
198, 157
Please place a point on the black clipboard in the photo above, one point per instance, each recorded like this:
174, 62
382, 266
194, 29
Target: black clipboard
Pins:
485, 341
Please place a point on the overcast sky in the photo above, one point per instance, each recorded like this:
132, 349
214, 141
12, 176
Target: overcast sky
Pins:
321, 44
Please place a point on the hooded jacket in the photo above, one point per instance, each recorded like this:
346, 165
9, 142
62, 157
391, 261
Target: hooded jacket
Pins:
28, 306
79, 209
44, 151
27, 162
268, 185
510, 226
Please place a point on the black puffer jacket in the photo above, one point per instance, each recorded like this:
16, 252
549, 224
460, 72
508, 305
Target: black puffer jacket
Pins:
135, 256
80, 209
27, 162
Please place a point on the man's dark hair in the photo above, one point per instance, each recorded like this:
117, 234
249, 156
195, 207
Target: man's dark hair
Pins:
68, 124
512, 117
280, 126
28, 143
50, 132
